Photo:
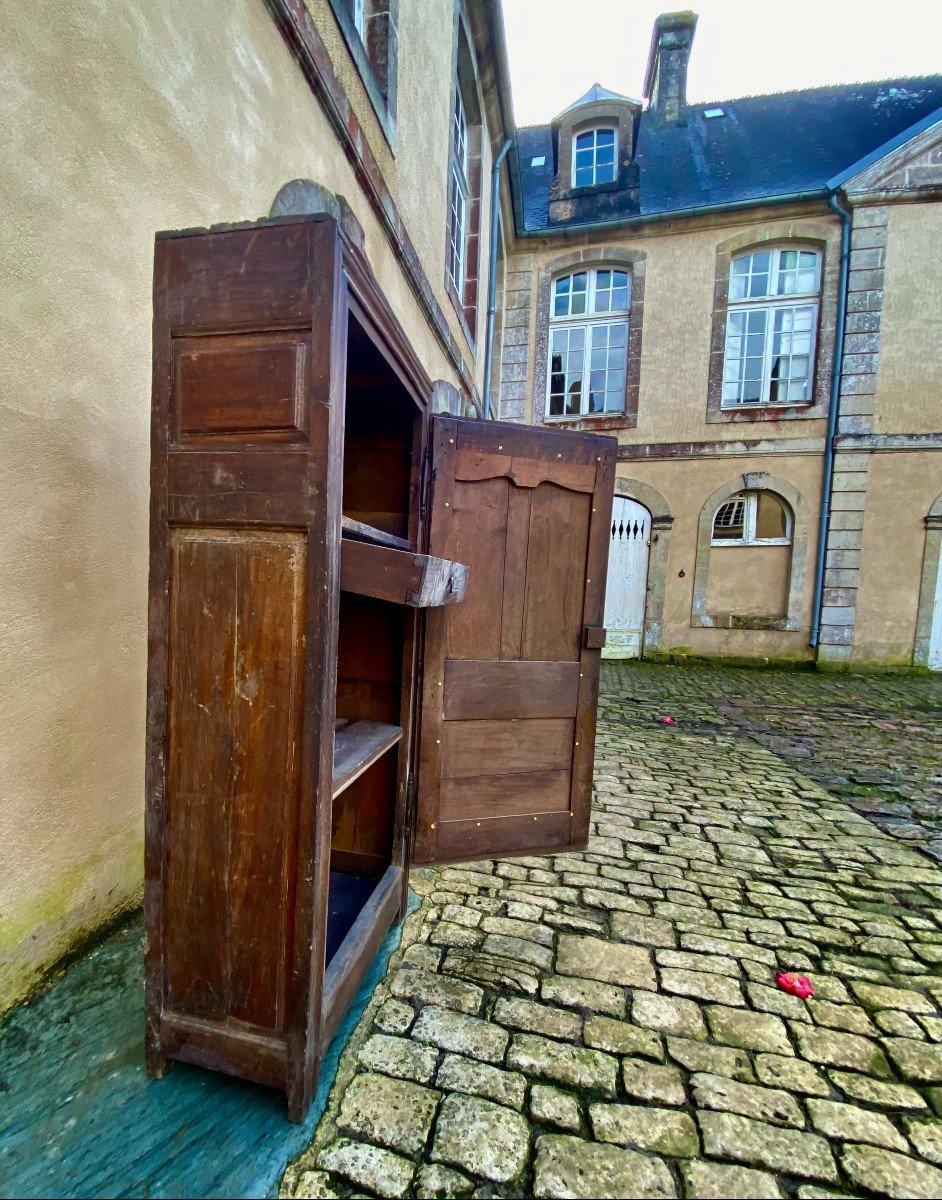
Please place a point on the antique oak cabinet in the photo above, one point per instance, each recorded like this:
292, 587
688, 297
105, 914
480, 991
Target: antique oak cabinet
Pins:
373, 640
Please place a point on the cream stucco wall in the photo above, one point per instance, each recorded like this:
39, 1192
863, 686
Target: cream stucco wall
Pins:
685, 485
909, 374
680, 273
417, 173
900, 490
120, 118
751, 581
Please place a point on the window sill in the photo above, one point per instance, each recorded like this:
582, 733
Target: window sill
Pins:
595, 421
737, 621
738, 543
803, 410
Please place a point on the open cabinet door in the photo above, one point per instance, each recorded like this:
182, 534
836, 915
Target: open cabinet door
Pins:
510, 678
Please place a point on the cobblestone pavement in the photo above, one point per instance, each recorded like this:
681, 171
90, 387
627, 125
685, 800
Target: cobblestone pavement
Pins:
607, 1023
874, 740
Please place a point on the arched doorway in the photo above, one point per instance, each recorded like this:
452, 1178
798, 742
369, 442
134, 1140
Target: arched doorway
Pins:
626, 591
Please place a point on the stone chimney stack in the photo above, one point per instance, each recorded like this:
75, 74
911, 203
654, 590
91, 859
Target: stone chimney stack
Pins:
665, 80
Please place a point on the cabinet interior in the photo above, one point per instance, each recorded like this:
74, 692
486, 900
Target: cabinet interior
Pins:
382, 427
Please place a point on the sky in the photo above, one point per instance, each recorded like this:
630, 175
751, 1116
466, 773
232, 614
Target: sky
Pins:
559, 48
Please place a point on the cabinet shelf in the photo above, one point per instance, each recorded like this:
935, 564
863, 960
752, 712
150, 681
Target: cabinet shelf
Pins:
400, 576
357, 745
361, 532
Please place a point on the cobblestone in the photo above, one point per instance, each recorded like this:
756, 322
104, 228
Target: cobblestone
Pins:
606, 1022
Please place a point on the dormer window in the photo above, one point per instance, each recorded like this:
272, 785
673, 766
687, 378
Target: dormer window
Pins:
593, 156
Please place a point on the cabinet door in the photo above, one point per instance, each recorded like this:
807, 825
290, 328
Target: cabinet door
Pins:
510, 678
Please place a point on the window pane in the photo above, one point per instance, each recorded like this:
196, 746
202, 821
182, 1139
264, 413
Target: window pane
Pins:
771, 520
583, 176
605, 137
729, 522
618, 334
585, 140
605, 173
579, 283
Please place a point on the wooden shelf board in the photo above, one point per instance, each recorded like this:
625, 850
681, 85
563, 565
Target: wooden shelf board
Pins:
400, 576
369, 533
357, 746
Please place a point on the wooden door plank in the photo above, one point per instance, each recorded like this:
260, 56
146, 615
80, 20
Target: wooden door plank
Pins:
556, 574
505, 747
476, 690
476, 524
525, 792
513, 600
504, 835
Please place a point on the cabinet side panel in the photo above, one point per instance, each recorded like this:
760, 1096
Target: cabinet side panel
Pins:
199, 737
236, 652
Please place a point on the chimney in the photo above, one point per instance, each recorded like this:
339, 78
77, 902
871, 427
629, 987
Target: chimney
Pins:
665, 80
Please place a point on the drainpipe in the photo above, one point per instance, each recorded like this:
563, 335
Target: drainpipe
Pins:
827, 481
492, 277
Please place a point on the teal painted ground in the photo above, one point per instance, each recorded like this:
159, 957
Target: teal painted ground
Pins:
79, 1116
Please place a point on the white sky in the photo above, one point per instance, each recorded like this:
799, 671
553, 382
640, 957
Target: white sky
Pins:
559, 48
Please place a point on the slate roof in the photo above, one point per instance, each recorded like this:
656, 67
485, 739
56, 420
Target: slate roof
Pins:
763, 147
597, 92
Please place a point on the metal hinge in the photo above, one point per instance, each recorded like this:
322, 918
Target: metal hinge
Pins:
425, 487
410, 813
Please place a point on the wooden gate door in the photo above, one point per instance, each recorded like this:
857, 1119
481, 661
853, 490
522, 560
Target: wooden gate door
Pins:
511, 674
627, 578
935, 636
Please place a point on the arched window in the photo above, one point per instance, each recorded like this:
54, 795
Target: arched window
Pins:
593, 156
588, 343
770, 327
752, 519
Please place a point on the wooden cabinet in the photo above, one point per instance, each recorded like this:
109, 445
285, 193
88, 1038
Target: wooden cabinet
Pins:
373, 639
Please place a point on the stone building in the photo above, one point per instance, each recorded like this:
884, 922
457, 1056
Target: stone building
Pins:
675, 278
122, 118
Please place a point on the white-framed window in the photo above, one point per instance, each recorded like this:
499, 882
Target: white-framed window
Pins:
359, 18
458, 215
593, 156
752, 519
588, 343
770, 327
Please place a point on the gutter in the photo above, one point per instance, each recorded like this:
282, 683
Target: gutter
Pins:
492, 277
827, 480
674, 214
